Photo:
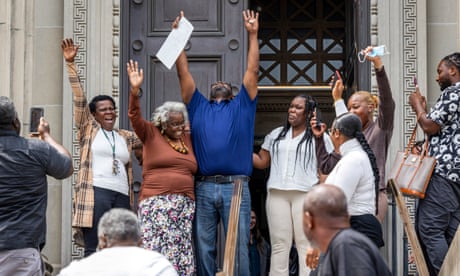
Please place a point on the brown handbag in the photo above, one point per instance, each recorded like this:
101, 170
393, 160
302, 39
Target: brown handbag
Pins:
411, 171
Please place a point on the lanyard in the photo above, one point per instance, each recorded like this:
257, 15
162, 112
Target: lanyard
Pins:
108, 139
115, 168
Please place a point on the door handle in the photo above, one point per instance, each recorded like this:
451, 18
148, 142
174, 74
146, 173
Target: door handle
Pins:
137, 45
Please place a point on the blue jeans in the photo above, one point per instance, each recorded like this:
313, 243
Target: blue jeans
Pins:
104, 200
213, 203
438, 216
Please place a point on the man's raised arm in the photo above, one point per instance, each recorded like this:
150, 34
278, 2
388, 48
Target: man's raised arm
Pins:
251, 22
186, 81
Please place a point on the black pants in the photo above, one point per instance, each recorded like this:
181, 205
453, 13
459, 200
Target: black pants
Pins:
370, 226
104, 200
438, 216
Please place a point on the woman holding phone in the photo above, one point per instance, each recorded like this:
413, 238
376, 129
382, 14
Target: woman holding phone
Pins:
376, 113
289, 150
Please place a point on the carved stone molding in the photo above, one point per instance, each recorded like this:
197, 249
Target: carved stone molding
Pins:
409, 47
116, 48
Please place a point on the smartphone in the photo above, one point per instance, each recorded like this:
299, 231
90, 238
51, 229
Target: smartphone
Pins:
35, 114
336, 78
318, 118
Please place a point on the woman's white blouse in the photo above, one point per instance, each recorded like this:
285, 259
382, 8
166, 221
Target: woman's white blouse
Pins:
354, 175
287, 173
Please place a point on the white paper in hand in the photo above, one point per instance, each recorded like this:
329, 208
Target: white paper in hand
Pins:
175, 43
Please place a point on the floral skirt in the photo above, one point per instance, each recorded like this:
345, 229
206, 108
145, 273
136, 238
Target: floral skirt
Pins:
166, 227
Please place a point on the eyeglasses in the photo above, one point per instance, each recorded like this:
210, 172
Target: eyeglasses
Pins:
176, 124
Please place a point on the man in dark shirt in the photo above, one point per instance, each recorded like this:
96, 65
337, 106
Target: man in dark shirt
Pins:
327, 226
24, 166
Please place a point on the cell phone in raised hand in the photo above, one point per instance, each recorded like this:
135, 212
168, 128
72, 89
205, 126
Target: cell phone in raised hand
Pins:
337, 74
35, 114
336, 78
318, 118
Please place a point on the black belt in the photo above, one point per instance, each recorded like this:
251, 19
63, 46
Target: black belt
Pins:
221, 178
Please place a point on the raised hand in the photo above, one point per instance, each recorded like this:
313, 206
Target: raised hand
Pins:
251, 20
417, 100
69, 50
175, 23
337, 90
135, 75
377, 60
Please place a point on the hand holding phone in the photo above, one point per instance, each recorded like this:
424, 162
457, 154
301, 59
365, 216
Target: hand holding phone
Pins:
336, 78
35, 114
318, 118
337, 73
337, 91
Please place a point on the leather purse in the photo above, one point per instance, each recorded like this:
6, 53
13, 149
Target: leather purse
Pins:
411, 170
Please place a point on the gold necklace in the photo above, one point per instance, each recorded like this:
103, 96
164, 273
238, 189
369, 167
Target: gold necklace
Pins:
183, 149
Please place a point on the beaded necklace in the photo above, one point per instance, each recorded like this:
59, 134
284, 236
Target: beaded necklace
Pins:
183, 149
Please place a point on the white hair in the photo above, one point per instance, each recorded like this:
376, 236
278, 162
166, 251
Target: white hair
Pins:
119, 225
161, 113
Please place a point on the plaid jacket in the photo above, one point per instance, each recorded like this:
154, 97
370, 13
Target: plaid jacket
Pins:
83, 199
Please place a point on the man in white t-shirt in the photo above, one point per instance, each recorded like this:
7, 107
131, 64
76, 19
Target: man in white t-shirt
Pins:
118, 252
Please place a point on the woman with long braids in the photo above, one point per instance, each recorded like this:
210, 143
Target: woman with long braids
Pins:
290, 152
357, 174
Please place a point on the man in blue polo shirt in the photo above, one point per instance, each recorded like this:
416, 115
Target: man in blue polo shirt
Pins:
222, 133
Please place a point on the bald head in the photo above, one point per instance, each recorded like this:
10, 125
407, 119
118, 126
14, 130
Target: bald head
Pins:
325, 213
326, 201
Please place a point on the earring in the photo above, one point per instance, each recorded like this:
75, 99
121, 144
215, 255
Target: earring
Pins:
162, 131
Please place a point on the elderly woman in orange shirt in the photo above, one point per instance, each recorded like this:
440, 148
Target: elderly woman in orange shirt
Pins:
167, 199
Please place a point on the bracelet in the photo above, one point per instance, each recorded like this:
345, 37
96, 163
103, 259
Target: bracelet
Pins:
139, 92
420, 115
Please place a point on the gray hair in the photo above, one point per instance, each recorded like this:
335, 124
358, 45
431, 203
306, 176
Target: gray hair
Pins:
161, 113
118, 225
7, 111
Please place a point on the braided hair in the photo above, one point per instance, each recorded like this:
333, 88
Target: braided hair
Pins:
453, 60
350, 126
310, 105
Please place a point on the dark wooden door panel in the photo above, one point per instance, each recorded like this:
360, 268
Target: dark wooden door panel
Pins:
165, 83
216, 50
205, 15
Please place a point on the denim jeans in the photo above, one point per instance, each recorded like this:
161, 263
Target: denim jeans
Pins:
104, 200
213, 203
